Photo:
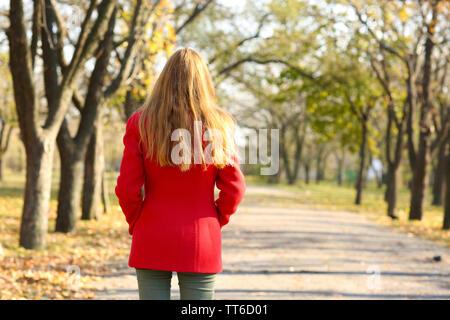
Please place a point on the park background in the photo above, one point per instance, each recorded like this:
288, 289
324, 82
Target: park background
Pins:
357, 88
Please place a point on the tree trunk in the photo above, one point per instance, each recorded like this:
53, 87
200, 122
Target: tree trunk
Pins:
284, 155
105, 192
297, 155
422, 157
339, 178
362, 161
379, 176
446, 224
391, 190
131, 103
2, 131
95, 101
307, 172
292, 178
291, 171
34, 223
69, 195
94, 165
319, 165
340, 164
275, 178
439, 176
39, 140
4, 143
419, 179
318, 169
386, 179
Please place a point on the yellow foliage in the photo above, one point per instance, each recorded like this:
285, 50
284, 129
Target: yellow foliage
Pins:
45, 274
404, 14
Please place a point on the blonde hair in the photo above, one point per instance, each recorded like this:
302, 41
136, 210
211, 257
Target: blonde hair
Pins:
182, 94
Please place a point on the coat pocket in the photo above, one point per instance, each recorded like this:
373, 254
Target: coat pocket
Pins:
138, 215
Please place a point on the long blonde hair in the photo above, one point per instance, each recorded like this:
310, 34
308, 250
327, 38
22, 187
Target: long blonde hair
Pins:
182, 94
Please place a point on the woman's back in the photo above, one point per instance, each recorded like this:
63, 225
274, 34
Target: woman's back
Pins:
177, 224
178, 147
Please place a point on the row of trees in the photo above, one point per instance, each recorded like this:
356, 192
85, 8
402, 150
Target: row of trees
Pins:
74, 64
69, 60
357, 76
369, 77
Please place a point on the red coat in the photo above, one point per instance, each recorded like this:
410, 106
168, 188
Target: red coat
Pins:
177, 225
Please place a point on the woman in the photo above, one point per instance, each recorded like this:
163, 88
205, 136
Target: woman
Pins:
177, 225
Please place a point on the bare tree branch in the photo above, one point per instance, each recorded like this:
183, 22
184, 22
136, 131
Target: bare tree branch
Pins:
140, 18
236, 64
197, 10
37, 4
241, 42
88, 41
372, 33
27, 104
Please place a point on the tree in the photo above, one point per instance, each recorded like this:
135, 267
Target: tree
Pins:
39, 139
363, 113
446, 224
5, 137
339, 155
160, 37
421, 158
291, 111
7, 113
396, 125
403, 38
352, 95
101, 86
441, 99
139, 41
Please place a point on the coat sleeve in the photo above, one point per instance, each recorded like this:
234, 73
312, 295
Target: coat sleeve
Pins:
132, 176
231, 183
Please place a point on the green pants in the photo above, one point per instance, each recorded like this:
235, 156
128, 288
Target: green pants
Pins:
155, 285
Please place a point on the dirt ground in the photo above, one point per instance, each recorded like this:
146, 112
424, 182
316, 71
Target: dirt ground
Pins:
279, 252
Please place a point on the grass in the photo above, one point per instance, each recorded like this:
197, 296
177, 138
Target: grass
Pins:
329, 196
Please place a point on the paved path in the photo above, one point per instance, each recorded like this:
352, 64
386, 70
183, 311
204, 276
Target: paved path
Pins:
282, 252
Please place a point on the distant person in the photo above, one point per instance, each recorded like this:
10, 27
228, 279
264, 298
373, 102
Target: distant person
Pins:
177, 225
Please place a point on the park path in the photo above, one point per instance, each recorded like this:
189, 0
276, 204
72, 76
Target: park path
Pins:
279, 252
